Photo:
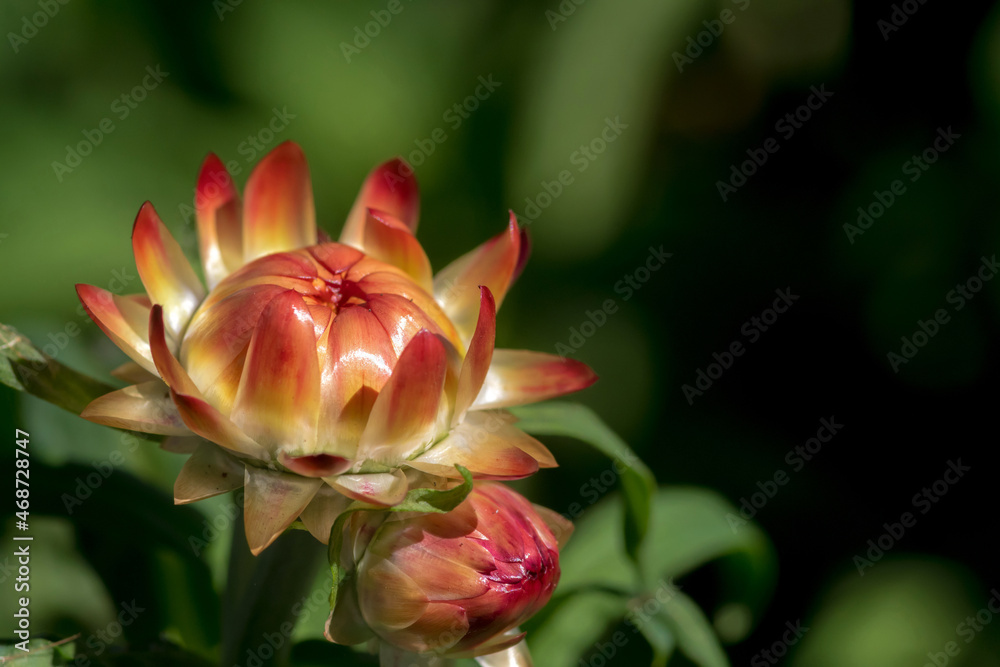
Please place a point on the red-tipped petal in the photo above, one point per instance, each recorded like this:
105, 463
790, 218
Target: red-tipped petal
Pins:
492, 264
105, 310
145, 407
517, 377
220, 235
478, 358
359, 358
389, 240
208, 472
379, 283
277, 403
279, 213
379, 488
164, 270
406, 411
314, 465
523, 255
402, 318
273, 500
390, 187
221, 334
198, 414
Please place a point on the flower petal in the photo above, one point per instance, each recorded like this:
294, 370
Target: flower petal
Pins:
345, 625
390, 187
560, 527
219, 335
165, 272
487, 447
506, 650
182, 444
442, 579
378, 284
322, 511
314, 465
478, 358
398, 599
145, 407
358, 357
277, 403
441, 626
105, 309
279, 213
133, 373
390, 241
197, 413
517, 377
379, 488
492, 264
273, 500
403, 319
208, 472
406, 411
220, 234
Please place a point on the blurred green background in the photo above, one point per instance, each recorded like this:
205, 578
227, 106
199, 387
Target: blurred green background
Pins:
608, 127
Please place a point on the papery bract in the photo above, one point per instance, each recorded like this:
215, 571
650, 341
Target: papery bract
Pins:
315, 372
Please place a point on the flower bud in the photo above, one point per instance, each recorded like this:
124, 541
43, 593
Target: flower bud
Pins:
455, 584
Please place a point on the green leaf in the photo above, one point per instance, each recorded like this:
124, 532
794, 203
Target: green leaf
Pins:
578, 421
416, 500
26, 368
660, 639
40, 653
689, 528
573, 625
695, 636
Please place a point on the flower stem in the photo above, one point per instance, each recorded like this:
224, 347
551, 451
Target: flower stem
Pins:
264, 596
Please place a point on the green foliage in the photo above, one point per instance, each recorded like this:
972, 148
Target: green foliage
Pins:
580, 422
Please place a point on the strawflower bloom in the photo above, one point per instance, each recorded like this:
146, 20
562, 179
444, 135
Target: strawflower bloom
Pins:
454, 585
315, 372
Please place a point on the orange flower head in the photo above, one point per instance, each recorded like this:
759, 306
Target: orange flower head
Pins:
315, 372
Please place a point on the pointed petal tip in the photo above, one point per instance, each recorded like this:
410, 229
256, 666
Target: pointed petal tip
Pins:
314, 465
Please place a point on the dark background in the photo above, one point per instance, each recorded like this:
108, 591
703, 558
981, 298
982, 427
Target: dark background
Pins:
655, 185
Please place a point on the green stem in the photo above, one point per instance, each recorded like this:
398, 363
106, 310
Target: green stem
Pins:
264, 596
